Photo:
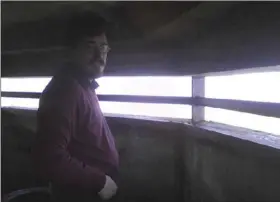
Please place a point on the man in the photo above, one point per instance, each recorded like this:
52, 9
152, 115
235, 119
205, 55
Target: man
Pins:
75, 150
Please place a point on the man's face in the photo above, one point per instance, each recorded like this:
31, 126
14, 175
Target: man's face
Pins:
91, 54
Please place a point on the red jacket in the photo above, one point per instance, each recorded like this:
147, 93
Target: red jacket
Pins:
74, 148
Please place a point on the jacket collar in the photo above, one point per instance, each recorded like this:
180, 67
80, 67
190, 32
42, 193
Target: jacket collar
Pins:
81, 77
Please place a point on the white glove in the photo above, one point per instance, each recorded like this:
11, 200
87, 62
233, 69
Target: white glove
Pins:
109, 189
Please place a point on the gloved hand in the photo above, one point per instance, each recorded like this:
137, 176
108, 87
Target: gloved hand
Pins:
109, 190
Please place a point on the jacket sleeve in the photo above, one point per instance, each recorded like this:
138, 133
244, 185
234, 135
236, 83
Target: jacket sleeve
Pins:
56, 120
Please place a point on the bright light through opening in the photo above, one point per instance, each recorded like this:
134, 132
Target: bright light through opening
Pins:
149, 86
124, 108
261, 87
253, 87
146, 86
35, 85
244, 120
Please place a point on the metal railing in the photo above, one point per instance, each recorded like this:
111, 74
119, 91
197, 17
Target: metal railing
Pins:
197, 101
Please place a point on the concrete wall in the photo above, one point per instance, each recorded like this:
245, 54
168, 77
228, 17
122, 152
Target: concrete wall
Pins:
147, 158
224, 168
16, 165
166, 162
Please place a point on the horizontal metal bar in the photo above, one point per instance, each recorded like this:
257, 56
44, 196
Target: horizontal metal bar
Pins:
115, 98
21, 94
35, 50
146, 99
260, 108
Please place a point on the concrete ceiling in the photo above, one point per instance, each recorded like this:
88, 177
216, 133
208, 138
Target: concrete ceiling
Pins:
147, 37
15, 12
130, 20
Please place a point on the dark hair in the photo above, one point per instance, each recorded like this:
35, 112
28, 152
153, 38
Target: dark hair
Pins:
82, 25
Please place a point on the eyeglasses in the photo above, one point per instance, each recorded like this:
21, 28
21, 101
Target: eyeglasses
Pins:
105, 48
102, 48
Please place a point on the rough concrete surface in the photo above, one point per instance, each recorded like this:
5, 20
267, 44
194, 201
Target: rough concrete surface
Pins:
162, 161
229, 169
